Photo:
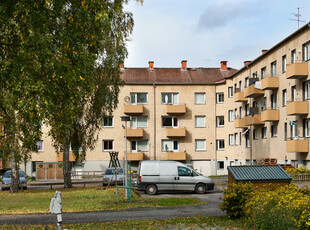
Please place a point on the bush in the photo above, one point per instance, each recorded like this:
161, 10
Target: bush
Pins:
301, 170
287, 207
235, 197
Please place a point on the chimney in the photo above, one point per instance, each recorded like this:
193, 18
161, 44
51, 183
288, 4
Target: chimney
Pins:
184, 65
247, 62
264, 51
151, 64
224, 65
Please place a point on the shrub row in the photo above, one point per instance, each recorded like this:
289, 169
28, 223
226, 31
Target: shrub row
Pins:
286, 207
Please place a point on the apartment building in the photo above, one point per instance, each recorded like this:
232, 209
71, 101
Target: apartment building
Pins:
209, 117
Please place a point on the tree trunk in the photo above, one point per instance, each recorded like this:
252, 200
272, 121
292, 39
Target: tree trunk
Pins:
15, 176
66, 164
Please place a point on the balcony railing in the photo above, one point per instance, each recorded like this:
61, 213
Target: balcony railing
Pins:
176, 109
270, 82
176, 132
297, 107
239, 123
176, 156
134, 133
254, 118
139, 156
297, 70
297, 145
271, 114
133, 109
239, 96
252, 92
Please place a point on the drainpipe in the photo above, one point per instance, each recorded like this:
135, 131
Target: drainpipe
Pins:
250, 129
154, 114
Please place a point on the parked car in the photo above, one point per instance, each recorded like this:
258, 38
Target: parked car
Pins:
7, 178
109, 176
157, 176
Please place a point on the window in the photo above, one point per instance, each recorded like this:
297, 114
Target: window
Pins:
71, 150
255, 134
306, 89
306, 51
274, 101
220, 121
138, 98
284, 64
231, 139
139, 146
107, 122
220, 164
247, 110
285, 131
240, 138
240, 86
240, 112
200, 145
170, 98
169, 122
293, 93
274, 131
236, 113
264, 132
236, 138
220, 145
220, 98
200, 121
108, 145
263, 103
200, 98
138, 122
247, 82
247, 140
230, 92
306, 127
182, 171
263, 72
294, 129
170, 145
293, 56
230, 115
273, 70
254, 74
284, 97
40, 146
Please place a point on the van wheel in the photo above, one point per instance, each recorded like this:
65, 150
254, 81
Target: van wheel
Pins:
151, 189
200, 189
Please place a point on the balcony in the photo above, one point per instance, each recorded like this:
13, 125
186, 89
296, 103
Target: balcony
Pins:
252, 92
297, 70
134, 133
239, 96
270, 83
297, 108
254, 118
71, 157
176, 132
175, 109
270, 115
239, 123
135, 156
298, 145
176, 156
133, 109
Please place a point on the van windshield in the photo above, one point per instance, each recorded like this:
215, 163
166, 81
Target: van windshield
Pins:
112, 171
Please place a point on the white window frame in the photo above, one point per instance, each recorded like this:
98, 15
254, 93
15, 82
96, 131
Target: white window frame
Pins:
40, 146
274, 103
293, 56
273, 69
174, 98
219, 165
284, 97
306, 51
263, 72
107, 150
199, 102
134, 96
134, 122
247, 140
274, 131
294, 93
220, 145
173, 142
204, 144
137, 142
231, 139
220, 98
104, 122
236, 139
255, 134
230, 115
307, 127
196, 121
230, 92
264, 132
306, 89
172, 121
247, 82
218, 121
283, 63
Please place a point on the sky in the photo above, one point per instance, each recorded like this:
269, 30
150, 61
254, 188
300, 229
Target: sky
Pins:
206, 32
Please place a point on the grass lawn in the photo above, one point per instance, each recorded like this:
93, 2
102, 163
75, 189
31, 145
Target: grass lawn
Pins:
177, 223
81, 199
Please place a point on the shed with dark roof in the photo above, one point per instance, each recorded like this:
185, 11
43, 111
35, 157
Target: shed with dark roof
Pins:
259, 175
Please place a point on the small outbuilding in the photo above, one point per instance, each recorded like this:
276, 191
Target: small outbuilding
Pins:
259, 175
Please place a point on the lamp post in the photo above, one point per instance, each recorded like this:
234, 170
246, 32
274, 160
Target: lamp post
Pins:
126, 118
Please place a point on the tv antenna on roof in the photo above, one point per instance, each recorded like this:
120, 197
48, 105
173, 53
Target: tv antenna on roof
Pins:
298, 15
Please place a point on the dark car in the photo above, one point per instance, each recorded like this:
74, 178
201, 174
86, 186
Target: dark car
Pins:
7, 178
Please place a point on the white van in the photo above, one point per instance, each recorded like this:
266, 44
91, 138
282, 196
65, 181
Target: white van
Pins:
154, 176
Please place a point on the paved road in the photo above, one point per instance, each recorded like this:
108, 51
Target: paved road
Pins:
209, 209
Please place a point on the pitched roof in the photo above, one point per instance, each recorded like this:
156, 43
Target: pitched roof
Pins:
175, 75
259, 173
